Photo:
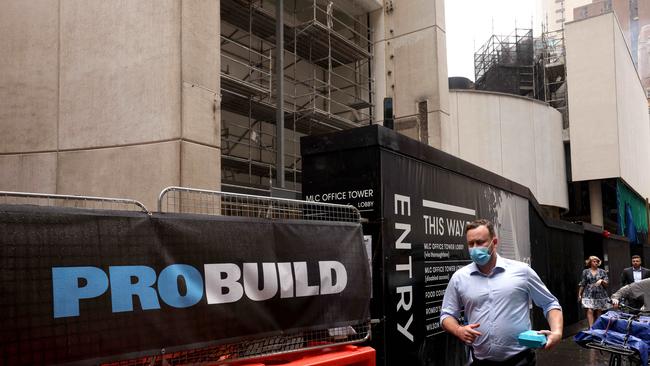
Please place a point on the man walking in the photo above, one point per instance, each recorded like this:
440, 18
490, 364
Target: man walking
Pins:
635, 273
495, 294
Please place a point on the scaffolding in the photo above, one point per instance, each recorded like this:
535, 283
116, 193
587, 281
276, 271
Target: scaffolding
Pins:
506, 64
552, 58
327, 84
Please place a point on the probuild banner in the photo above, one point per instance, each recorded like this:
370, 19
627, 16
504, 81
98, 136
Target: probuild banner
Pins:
85, 286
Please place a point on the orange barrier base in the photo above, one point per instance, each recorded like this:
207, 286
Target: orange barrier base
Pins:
334, 356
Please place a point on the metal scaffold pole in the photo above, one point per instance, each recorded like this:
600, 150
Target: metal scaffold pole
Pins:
279, 81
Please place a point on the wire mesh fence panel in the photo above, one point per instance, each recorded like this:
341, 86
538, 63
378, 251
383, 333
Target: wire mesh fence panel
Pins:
196, 201
255, 348
187, 200
60, 200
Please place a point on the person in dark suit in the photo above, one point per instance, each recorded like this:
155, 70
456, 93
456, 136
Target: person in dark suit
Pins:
635, 273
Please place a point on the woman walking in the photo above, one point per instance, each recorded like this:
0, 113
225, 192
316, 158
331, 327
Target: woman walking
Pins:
592, 293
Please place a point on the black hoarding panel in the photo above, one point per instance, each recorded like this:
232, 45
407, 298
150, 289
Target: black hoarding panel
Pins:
645, 256
618, 258
557, 257
424, 244
422, 200
78, 285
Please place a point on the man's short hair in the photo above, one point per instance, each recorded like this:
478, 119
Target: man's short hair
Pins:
636, 257
480, 222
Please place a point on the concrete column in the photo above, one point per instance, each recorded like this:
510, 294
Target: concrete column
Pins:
379, 64
410, 65
200, 72
109, 99
596, 203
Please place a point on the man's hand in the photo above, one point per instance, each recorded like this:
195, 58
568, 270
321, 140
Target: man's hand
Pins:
466, 333
615, 303
552, 338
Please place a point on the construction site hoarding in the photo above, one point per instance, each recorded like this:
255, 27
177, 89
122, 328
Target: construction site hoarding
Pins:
88, 286
417, 201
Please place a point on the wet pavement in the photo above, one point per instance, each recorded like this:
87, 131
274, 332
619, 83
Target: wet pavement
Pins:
569, 353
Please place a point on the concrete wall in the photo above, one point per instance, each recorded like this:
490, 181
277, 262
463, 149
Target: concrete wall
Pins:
609, 124
517, 138
410, 62
109, 98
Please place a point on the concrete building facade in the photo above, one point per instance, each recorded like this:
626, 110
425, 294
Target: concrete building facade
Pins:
124, 99
610, 126
410, 67
109, 99
634, 20
518, 138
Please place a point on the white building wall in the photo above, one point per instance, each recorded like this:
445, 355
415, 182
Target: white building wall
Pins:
410, 61
592, 103
479, 130
609, 124
633, 121
517, 138
109, 98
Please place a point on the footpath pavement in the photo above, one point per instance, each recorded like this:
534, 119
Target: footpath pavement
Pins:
569, 353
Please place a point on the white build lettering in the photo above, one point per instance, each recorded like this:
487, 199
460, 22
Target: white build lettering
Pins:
403, 208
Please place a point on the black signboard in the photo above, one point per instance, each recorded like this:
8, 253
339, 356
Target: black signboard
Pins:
78, 285
420, 205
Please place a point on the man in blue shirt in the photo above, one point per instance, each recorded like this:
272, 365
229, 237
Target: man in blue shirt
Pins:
495, 293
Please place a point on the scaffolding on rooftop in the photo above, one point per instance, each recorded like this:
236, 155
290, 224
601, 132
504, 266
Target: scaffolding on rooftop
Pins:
327, 84
553, 60
506, 63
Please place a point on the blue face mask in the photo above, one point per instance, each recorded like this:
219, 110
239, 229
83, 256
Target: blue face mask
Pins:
480, 255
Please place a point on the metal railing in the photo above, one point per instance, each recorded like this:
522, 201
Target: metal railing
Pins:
64, 200
200, 201
330, 16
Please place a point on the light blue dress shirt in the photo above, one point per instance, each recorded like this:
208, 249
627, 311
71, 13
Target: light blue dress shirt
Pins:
499, 302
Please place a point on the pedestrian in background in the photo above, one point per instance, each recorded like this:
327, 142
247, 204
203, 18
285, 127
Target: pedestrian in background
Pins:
635, 273
495, 293
591, 291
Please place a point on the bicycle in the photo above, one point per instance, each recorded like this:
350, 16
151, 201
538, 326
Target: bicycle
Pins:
619, 342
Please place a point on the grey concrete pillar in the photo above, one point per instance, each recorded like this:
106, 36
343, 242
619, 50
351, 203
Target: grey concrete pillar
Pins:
596, 203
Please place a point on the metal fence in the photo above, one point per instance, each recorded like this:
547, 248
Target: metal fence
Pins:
63, 200
198, 201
